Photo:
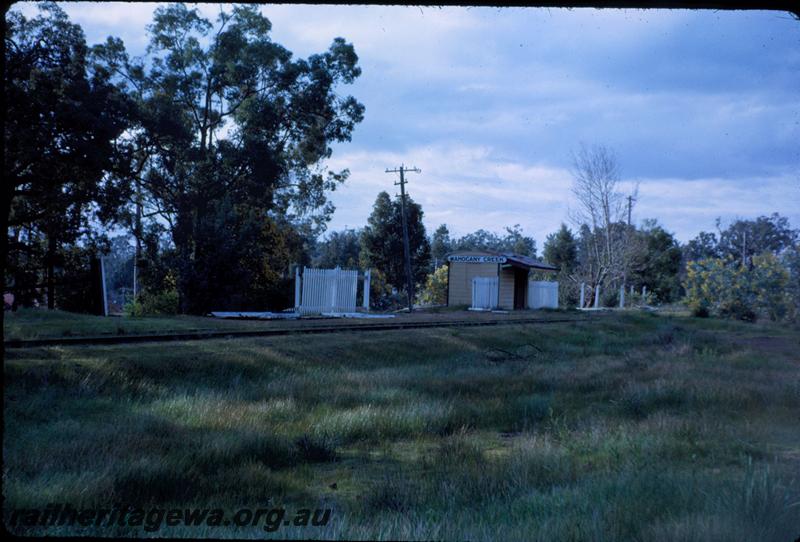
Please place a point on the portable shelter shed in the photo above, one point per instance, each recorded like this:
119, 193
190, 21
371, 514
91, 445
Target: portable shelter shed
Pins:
511, 272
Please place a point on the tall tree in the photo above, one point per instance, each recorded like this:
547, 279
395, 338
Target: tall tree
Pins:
64, 165
339, 249
382, 241
658, 262
561, 249
704, 246
517, 242
607, 253
513, 241
440, 244
479, 240
233, 129
744, 239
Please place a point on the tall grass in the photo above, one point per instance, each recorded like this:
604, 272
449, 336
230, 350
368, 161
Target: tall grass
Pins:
624, 428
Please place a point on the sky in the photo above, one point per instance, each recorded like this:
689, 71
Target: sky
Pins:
701, 107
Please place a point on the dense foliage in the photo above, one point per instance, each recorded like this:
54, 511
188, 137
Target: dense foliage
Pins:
657, 263
210, 153
215, 140
721, 287
435, 291
382, 241
749, 271
514, 240
339, 249
64, 166
231, 139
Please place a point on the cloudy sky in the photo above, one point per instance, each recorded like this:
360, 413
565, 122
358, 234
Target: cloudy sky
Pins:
701, 107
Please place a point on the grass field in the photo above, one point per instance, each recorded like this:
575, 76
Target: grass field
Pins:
629, 427
27, 324
40, 323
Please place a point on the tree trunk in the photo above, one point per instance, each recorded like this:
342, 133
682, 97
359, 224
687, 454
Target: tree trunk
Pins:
183, 237
4, 215
50, 262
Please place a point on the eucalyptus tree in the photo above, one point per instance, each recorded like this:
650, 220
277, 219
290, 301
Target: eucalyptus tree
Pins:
657, 263
64, 161
744, 239
441, 244
339, 249
232, 139
561, 250
514, 241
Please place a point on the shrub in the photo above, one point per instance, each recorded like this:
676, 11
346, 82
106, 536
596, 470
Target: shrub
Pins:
771, 286
158, 303
724, 288
435, 291
380, 292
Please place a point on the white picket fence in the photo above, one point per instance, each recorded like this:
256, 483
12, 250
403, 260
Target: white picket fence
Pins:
542, 294
484, 293
328, 290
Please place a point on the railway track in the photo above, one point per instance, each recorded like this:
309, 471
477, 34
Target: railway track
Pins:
299, 330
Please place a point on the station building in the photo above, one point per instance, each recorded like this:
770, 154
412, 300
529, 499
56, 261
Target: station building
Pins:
507, 273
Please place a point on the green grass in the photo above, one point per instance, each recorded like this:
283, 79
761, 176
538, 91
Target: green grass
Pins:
40, 323
629, 427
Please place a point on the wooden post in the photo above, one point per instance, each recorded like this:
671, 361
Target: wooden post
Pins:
103, 278
597, 296
622, 297
367, 274
51, 271
583, 295
297, 288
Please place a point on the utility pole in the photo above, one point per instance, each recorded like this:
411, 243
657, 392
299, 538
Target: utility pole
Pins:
630, 205
625, 270
744, 248
409, 278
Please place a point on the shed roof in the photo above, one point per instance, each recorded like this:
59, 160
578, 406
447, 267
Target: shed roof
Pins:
527, 261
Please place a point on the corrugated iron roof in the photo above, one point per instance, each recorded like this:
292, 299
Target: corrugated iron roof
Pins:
527, 261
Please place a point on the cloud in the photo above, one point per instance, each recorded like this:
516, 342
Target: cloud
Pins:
412, 43
687, 206
701, 107
472, 187
467, 187
125, 20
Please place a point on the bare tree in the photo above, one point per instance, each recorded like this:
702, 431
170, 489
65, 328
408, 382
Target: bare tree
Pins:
602, 210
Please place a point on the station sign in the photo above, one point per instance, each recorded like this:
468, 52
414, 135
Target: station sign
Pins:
476, 259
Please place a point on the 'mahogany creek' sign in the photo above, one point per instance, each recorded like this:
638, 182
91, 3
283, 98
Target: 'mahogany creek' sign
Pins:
477, 259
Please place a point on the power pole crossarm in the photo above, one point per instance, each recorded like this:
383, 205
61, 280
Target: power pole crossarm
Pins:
406, 249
